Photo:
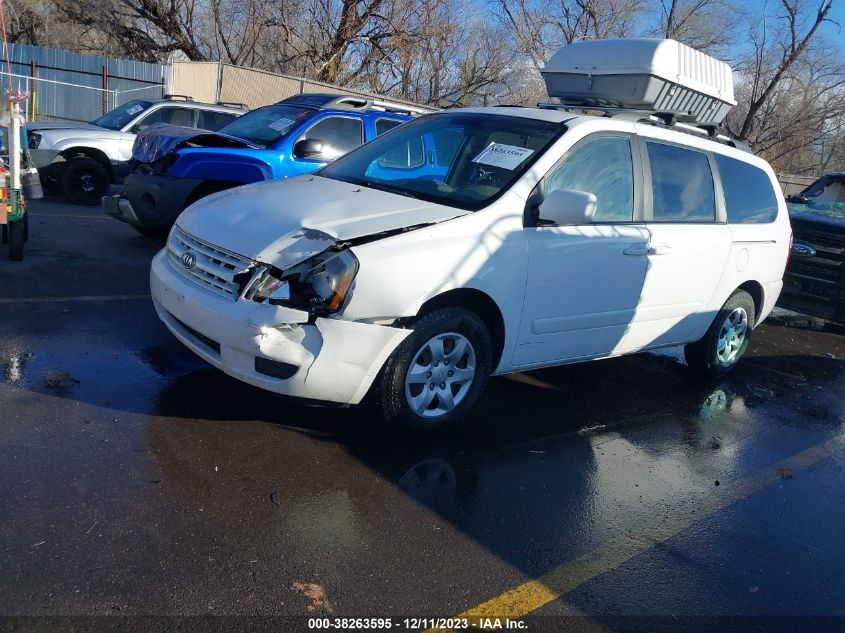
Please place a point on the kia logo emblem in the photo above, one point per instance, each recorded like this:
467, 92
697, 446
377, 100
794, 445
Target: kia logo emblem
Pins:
800, 249
188, 259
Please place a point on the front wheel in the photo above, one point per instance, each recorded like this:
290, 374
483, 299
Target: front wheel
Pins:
84, 181
435, 376
726, 339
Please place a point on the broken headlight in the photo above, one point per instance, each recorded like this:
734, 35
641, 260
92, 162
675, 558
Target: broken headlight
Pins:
322, 284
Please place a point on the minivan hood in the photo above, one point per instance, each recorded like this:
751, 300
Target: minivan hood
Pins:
159, 140
283, 222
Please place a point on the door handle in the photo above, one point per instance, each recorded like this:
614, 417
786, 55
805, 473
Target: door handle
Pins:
659, 249
640, 249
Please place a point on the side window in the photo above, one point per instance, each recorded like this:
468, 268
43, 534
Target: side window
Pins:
385, 125
405, 156
171, 115
682, 184
749, 195
447, 142
603, 167
339, 135
213, 120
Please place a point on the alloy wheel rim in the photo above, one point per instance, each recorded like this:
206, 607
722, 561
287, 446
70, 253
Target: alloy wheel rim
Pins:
732, 336
440, 375
87, 183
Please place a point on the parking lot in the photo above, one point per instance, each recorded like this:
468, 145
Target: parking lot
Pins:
620, 495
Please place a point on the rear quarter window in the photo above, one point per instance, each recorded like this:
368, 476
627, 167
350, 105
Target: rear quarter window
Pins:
749, 195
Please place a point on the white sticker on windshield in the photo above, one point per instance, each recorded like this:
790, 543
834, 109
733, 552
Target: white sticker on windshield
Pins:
135, 109
501, 155
280, 125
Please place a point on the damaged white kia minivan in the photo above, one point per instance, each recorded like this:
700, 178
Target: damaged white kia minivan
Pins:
482, 241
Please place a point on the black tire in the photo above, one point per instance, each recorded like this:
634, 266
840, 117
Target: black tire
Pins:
704, 356
154, 232
17, 235
84, 181
390, 396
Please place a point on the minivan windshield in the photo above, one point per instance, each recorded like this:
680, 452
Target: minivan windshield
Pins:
462, 159
266, 125
120, 116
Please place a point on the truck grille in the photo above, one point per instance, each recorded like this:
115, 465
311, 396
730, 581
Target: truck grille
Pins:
828, 264
218, 270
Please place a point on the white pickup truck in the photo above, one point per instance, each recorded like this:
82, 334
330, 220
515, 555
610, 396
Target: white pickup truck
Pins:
81, 160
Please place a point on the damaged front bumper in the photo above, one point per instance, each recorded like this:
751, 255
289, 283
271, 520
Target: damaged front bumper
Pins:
273, 347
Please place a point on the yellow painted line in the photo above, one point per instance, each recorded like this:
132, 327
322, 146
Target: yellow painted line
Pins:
79, 298
532, 595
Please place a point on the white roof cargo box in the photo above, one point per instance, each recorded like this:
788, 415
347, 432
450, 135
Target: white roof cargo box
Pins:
642, 74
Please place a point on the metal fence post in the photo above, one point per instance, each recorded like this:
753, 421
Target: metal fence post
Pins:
105, 89
32, 92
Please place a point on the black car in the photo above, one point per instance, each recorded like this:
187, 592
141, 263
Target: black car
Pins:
814, 282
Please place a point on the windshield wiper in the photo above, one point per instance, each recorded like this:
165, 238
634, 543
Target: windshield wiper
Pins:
390, 189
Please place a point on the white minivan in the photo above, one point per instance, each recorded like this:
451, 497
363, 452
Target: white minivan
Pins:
478, 242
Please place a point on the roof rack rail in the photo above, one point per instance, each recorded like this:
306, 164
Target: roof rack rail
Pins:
171, 97
232, 104
679, 120
392, 106
353, 102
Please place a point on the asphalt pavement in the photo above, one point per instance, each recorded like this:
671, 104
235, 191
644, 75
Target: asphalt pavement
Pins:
620, 495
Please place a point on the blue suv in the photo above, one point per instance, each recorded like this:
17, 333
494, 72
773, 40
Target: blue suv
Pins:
174, 167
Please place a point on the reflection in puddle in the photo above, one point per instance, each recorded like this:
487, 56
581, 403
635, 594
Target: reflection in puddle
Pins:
714, 406
14, 364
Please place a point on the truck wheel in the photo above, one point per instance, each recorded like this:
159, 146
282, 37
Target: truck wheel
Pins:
433, 379
17, 234
84, 181
726, 340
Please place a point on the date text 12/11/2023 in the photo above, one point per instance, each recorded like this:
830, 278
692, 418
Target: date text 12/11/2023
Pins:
417, 624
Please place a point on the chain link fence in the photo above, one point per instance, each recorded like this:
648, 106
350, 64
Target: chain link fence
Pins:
69, 86
791, 185
62, 101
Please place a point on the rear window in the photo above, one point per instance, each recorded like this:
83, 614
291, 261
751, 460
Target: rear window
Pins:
749, 195
682, 184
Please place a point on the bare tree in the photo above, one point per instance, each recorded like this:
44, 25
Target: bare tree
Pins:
707, 25
776, 51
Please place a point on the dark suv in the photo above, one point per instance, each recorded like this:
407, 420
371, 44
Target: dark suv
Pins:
814, 282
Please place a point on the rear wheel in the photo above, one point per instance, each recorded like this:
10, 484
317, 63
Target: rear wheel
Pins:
434, 378
726, 339
84, 181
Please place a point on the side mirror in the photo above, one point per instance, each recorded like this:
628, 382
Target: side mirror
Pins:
308, 147
567, 206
